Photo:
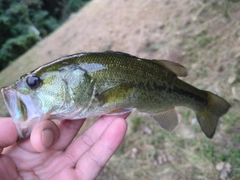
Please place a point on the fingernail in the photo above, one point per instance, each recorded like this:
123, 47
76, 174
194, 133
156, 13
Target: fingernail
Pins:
47, 138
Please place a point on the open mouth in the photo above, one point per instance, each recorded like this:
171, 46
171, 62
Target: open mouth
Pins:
10, 99
23, 111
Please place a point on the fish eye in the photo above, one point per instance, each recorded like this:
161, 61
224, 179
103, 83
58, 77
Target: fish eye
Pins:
34, 82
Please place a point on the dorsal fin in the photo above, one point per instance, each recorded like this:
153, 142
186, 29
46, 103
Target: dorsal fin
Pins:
176, 68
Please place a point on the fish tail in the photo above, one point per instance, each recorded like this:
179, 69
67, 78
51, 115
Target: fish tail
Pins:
208, 116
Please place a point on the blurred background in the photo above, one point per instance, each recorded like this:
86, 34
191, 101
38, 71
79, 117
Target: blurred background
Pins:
202, 35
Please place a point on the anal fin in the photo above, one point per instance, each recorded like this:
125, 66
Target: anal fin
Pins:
167, 119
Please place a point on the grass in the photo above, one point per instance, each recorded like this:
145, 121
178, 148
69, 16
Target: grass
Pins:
202, 39
167, 151
231, 153
136, 122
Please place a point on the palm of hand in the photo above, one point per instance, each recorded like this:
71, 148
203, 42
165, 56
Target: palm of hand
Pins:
82, 158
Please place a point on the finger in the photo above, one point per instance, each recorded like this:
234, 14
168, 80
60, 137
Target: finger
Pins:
8, 133
44, 135
47, 135
90, 136
92, 162
68, 130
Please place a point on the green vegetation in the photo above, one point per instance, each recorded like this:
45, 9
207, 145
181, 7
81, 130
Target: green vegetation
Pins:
169, 150
234, 1
202, 39
26, 22
136, 121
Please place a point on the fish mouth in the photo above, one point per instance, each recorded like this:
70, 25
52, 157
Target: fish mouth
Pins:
23, 111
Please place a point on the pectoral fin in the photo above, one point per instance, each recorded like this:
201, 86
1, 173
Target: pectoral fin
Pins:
117, 94
120, 111
167, 119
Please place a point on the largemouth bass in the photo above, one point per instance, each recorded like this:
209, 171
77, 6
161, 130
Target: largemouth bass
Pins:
93, 84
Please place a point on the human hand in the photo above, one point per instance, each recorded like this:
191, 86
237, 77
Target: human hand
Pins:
51, 152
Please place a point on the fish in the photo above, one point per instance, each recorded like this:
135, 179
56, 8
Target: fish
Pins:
98, 83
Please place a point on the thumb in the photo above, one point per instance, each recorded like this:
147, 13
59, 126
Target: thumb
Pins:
44, 135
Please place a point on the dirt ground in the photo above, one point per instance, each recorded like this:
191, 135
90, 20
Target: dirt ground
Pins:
204, 36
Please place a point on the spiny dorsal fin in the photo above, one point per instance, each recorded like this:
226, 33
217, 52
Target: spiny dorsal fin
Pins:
176, 68
167, 119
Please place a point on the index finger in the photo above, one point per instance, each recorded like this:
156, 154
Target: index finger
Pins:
92, 161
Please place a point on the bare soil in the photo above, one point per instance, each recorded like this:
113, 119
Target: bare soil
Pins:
202, 35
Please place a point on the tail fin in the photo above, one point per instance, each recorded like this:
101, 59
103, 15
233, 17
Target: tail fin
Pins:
208, 117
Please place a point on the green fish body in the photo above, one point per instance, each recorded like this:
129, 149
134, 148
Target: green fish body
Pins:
93, 84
